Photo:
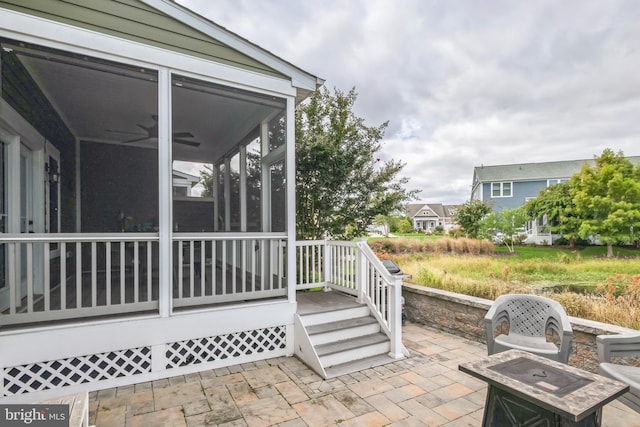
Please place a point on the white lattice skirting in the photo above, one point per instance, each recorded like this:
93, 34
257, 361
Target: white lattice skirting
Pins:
220, 347
76, 370
54, 374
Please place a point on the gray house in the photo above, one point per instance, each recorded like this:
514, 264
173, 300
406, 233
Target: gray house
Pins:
510, 186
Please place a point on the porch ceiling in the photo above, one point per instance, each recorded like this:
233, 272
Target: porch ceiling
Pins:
113, 106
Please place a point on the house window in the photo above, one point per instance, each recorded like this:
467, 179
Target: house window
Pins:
551, 182
501, 189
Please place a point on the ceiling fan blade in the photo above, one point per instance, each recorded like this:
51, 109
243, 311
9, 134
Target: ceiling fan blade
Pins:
137, 139
124, 132
182, 135
185, 142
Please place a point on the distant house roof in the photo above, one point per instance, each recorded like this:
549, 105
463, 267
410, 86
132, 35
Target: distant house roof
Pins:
186, 177
534, 171
442, 211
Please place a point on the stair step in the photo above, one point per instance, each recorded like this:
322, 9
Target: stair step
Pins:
359, 310
324, 333
337, 352
321, 328
358, 365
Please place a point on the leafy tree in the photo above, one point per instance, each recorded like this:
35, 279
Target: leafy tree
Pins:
469, 215
341, 186
607, 199
384, 222
405, 226
556, 203
506, 224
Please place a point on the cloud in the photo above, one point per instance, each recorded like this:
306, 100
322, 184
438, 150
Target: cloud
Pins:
465, 83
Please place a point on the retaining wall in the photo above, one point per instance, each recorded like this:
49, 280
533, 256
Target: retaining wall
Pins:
463, 315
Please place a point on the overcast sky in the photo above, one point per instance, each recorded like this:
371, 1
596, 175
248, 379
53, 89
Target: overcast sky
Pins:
464, 83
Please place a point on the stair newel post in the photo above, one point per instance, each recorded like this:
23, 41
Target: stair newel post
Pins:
361, 272
395, 321
326, 267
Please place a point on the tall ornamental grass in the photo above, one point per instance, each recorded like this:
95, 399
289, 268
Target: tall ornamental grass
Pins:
600, 289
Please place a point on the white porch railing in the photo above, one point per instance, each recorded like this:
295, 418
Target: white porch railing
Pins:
211, 268
63, 276
68, 276
353, 268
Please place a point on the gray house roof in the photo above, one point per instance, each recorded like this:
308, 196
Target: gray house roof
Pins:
534, 171
442, 211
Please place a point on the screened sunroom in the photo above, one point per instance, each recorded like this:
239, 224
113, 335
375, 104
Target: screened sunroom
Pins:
82, 188
146, 195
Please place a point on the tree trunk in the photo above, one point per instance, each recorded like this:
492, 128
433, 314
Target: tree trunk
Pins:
572, 243
609, 250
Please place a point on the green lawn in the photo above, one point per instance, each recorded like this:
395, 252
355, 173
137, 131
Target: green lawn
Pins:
554, 252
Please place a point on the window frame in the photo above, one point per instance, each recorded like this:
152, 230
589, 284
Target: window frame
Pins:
502, 185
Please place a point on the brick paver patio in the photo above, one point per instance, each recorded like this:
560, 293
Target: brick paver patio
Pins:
426, 389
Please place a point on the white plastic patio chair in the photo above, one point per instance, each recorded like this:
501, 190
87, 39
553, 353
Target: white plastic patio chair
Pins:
529, 319
621, 346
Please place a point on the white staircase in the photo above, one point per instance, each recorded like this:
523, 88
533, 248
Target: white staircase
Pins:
337, 335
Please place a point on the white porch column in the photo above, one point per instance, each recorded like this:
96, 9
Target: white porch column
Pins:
395, 320
243, 187
215, 183
265, 177
227, 194
165, 199
291, 199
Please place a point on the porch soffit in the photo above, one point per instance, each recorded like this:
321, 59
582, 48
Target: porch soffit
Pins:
138, 21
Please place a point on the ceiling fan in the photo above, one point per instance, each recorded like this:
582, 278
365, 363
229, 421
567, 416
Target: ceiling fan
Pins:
152, 132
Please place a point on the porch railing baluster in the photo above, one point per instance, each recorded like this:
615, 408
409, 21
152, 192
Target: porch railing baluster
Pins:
243, 262
180, 267
78, 275
281, 262
63, 275
29, 274
149, 272
94, 276
136, 273
191, 267
123, 267
203, 267
234, 265
214, 272
47, 279
224, 270
12, 279
107, 272
252, 248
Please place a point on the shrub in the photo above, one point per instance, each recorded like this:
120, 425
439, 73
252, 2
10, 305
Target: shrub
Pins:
405, 226
562, 241
455, 232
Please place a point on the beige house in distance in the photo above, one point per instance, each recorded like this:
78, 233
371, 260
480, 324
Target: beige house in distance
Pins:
428, 216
